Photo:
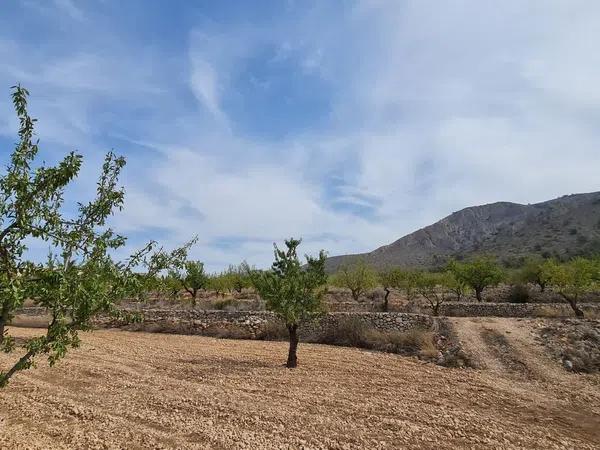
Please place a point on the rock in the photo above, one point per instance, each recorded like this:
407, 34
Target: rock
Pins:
567, 364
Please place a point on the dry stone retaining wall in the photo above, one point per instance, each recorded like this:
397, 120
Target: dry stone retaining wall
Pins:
253, 323
470, 309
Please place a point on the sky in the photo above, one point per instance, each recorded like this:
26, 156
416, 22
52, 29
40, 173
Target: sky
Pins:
346, 123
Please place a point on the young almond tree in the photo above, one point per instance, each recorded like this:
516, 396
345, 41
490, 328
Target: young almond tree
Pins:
533, 272
477, 274
572, 279
80, 279
389, 279
30, 200
433, 287
291, 291
407, 283
238, 277
192, 278
357, 277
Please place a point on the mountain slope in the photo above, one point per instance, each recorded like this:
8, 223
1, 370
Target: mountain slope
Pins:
563, 227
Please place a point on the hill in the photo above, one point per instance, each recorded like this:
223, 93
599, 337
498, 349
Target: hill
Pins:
564, 227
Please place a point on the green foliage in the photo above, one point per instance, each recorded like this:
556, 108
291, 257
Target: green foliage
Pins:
220, 283
477, 274
388, 279
190, 277
80, 278
434, 288
171, 285
407, 283
291, 291
573, 279
238, 277
532, 272
519, 293
455, 285
358, 277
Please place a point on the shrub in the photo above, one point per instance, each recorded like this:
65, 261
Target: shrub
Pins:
519, 293
226, 304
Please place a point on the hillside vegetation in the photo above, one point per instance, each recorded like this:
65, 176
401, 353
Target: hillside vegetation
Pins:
564, 227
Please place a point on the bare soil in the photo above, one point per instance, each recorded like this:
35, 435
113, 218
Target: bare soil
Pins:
141, 390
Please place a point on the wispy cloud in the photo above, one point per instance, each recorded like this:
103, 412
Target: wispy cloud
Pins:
348, 126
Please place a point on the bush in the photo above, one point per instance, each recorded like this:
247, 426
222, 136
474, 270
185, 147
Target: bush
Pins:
519, 293
228, 304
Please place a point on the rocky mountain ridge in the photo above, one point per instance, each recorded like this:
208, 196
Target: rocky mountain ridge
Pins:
563, 227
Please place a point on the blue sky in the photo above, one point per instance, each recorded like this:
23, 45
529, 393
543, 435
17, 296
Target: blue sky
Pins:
348, 123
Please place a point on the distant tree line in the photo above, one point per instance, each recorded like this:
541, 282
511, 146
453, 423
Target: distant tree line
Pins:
570, 279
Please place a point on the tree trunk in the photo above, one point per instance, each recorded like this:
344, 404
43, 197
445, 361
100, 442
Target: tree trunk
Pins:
478, 292
436, 309
3, 322
573, 303
385, 299
292, 360
542, 287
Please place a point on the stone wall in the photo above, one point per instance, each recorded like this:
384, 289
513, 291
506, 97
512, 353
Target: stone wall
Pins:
253, 324
476, 309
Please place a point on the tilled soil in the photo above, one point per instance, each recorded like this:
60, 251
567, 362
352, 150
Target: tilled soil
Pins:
139, 390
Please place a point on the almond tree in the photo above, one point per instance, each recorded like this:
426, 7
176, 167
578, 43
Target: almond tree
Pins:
533, 272
239, 277
80, 279
477, 274
389, 279
192, 278
455, 285
433, 287
357, 277
572, 279
291, 291
407, 283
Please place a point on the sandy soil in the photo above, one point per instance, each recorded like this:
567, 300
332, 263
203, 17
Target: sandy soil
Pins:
138, 390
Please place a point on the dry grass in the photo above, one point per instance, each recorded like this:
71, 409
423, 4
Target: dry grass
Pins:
549, 312
353, 332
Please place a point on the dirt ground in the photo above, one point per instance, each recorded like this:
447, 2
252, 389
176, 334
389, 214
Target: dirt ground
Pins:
139, 390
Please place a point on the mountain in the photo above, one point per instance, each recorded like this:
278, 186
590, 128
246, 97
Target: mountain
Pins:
563, 227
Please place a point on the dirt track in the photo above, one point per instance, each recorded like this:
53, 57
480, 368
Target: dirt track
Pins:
137, 390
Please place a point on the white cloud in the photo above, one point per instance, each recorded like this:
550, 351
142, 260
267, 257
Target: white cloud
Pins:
434, 107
